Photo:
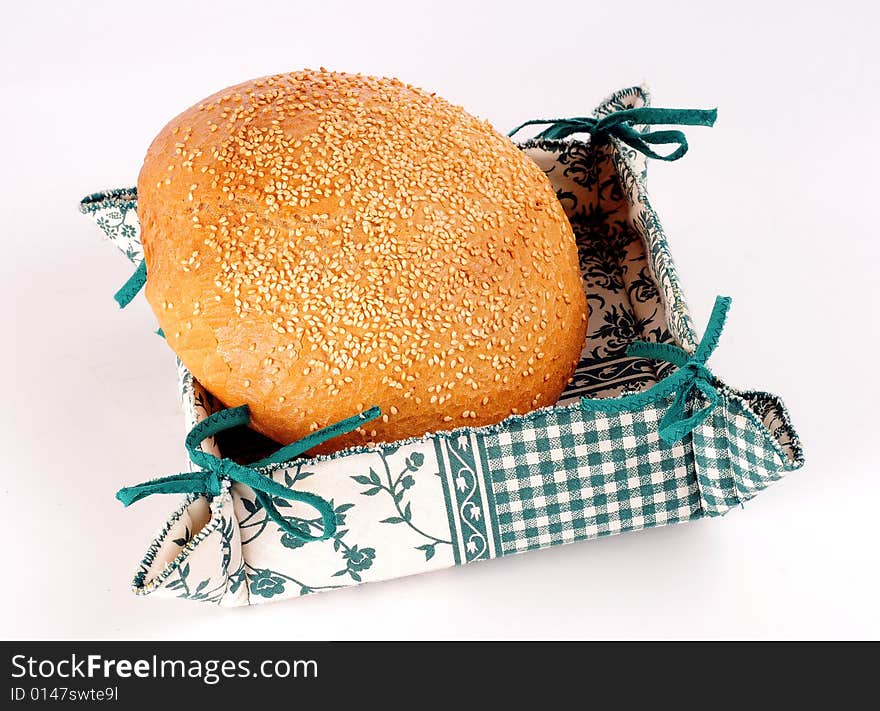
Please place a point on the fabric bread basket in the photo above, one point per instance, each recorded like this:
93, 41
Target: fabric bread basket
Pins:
645, 435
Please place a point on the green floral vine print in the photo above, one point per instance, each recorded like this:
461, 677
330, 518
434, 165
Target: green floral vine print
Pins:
266, 583
200, 591
237, 577
269, 583
396, 487
355, 559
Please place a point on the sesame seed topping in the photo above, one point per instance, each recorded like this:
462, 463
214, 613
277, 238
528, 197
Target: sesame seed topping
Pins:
371, 237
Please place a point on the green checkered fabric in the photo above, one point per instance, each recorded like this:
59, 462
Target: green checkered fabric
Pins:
734, 456
568, 475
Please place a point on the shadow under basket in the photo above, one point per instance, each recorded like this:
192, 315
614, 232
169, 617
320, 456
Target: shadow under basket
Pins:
594, 464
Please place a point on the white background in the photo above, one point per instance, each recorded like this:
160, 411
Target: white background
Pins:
776, 206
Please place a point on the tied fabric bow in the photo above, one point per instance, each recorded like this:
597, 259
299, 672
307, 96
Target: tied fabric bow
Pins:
692, 376
621, 125
215, 470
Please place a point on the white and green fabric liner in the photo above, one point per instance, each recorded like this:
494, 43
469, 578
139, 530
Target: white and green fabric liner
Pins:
645, 435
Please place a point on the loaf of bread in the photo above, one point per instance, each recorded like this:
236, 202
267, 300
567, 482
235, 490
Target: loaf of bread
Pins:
317, 243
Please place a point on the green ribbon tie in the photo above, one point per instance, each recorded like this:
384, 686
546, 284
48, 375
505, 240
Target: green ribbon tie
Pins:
132, 286
621, 125
692, 375
214, 470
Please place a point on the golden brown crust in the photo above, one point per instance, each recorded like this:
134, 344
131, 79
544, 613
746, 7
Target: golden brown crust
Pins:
317, 243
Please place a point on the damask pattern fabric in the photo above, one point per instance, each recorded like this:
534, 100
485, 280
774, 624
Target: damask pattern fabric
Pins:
582, 469
622, 295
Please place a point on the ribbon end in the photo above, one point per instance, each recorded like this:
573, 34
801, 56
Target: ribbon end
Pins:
132, 286
722, 303
127, 495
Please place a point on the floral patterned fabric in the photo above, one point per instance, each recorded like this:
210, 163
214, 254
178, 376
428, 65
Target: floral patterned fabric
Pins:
590, 466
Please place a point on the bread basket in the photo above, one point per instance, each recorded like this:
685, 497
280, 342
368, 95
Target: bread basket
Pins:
645, 435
